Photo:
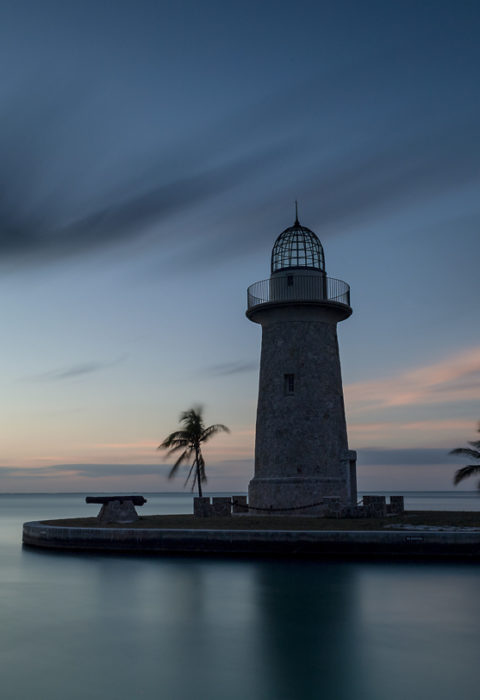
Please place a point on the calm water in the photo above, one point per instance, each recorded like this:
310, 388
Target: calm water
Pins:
83, 626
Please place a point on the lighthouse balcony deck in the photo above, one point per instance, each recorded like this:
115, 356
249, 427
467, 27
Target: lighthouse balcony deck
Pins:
298, 288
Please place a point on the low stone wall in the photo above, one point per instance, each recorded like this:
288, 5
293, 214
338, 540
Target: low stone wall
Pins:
396, 505
290, 543
239, 504
216, 507
375, 507
372, 507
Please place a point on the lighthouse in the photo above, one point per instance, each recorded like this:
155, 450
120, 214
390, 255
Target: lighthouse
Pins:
302, 461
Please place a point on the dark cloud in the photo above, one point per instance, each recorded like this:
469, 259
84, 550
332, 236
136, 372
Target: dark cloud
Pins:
421, 456
25, 472
101, 471
54, 203
123, 218
381, 176
357, 140
227, 368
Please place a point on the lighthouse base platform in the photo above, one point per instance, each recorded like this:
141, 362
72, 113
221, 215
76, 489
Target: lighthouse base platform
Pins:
299, 495
410, 542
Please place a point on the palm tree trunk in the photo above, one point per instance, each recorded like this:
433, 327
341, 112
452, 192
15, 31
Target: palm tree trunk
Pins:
199, 481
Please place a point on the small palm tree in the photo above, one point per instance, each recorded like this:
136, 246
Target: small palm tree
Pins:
470, 469
189, 440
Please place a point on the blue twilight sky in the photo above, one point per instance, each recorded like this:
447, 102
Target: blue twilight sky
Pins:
150, 153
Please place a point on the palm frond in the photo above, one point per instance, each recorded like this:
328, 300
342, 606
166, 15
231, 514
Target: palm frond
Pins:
175, 444
466, 452
174, 438
212, 430
183, 458
465, 472
174, 469
189, 475
186, 454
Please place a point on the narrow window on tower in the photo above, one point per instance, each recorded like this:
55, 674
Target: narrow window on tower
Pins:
289, 280
289, 384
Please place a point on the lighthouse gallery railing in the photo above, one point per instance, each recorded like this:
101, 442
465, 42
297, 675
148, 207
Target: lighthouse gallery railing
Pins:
298, 288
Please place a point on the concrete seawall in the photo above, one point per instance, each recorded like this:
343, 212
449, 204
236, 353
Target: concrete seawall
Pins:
304, 543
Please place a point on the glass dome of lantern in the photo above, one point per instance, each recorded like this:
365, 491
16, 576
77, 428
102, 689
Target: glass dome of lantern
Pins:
297, 248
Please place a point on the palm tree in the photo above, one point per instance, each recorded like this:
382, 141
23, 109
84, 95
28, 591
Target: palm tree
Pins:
189, 440
470, 469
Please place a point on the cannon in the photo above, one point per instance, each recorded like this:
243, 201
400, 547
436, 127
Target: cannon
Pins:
117, 509
136, 500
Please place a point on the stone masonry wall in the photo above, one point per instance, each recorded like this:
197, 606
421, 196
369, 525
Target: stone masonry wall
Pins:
302, 435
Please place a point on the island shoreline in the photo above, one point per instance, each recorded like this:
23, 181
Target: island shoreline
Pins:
209, 539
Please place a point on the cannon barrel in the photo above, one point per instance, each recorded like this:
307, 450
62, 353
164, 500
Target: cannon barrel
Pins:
136, 500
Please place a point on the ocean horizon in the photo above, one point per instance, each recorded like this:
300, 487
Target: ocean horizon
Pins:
414, 500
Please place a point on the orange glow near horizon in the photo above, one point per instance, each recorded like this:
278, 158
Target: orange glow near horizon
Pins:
371, 424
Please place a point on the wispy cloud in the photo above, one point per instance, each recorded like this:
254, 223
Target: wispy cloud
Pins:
455, 379
227, 368
85, 470
72, 371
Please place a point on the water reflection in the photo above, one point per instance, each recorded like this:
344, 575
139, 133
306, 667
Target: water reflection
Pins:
419, 628
100, 627
309, 629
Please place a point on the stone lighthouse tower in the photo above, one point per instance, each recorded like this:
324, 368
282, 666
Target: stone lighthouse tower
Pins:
302, 460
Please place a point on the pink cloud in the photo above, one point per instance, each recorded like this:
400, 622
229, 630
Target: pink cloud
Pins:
455, 379
419, 425
447, 433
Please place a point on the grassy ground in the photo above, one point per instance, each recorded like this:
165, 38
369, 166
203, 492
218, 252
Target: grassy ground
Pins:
270, 522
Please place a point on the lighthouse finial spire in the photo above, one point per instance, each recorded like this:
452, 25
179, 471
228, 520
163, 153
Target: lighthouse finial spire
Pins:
297, 222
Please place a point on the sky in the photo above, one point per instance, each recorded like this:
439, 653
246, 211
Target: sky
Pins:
151, 153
